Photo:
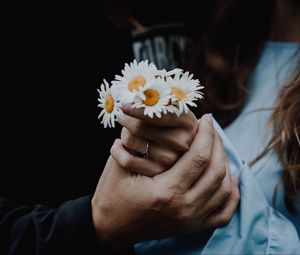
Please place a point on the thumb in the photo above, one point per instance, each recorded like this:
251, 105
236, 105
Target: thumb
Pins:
194, 162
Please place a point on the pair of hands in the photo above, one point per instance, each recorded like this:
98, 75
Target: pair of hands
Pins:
183, 185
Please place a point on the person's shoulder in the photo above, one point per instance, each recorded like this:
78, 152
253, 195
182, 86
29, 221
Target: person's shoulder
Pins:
283, 236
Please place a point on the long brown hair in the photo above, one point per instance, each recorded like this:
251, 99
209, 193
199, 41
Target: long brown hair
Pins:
286, 139
226, 54
224, 57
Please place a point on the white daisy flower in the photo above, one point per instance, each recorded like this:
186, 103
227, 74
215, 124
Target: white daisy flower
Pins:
184, 91
109, 101
135, 75
154, 97
163, 74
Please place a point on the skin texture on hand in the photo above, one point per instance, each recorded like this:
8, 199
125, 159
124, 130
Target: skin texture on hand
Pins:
197, 192
168, 138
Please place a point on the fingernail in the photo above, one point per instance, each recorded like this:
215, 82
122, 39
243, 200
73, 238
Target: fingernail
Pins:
126, 107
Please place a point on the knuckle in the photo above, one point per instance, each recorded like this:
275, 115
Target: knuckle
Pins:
200, 161
171, 197
226, 192
182, 143
166, 162
162, 199
224, 219
176, 189
185, 146
126, 139
187, 211
220, 175
127, 161
168, 159
189, 138
184, 215
192, 122
137, 127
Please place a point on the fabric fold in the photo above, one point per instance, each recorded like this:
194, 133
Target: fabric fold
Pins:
256, 228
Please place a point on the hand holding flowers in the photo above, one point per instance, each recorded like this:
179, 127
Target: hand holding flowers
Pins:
184, 184
165, 139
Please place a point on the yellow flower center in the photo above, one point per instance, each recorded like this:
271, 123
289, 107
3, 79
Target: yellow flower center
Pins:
179, 93
152, 97
109, 104
136, 82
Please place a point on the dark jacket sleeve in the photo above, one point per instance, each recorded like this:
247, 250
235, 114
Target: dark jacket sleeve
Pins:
38, 229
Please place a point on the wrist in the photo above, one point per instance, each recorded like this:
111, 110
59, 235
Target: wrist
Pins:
108, 237
101, 225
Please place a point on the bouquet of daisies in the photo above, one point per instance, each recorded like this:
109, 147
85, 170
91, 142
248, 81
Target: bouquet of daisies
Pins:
144, 86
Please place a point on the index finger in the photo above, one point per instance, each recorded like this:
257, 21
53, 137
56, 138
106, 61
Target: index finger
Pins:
194, 162
166, 120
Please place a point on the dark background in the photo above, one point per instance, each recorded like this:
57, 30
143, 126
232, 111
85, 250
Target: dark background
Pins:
54, 147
